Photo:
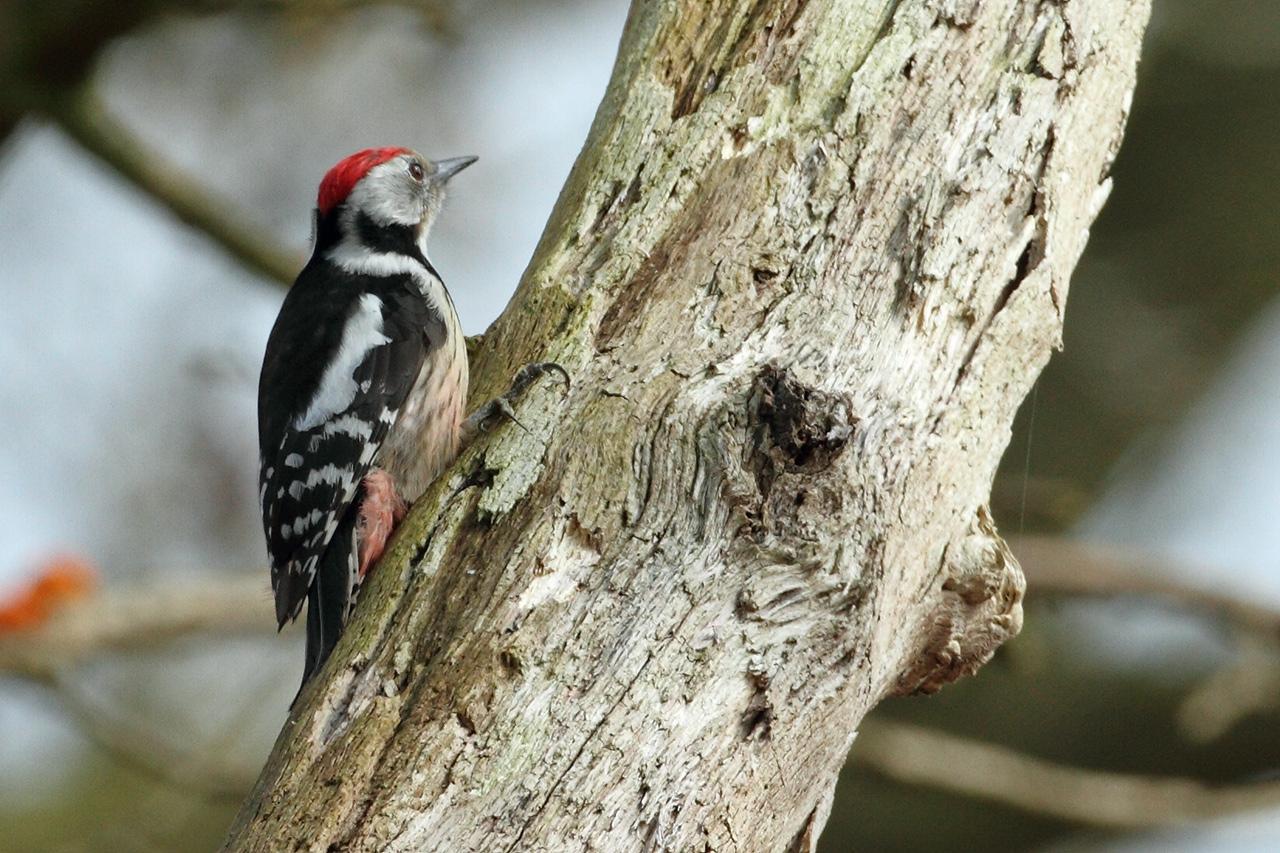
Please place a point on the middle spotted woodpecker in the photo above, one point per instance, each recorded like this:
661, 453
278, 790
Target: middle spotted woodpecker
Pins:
363, 386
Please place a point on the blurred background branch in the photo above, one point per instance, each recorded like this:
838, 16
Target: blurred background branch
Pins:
89, 628
85, 120
1057, 565
1248, 686
922, 756
137, 618
136, 744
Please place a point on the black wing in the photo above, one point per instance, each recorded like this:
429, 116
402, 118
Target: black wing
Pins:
342, 357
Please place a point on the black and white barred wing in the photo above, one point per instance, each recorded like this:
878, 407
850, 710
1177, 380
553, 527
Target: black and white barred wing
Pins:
324, 450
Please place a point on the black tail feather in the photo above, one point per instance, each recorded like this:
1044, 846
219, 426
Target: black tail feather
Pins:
329, 598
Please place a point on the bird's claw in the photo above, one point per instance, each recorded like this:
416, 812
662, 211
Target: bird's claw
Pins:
530, 373
500, 407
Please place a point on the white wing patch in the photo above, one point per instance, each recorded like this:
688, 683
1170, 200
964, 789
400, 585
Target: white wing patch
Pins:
362, 333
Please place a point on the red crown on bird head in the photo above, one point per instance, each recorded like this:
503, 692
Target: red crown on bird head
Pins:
339, 181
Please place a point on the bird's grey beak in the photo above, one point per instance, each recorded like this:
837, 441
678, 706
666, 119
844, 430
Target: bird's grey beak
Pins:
446, 169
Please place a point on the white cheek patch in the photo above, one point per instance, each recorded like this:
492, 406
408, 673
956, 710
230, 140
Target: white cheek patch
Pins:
338, 388
387, 195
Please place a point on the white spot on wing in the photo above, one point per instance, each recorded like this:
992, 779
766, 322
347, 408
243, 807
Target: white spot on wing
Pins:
349, 425
328, 474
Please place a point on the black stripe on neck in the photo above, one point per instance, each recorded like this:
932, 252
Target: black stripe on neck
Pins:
397, 239
392, 239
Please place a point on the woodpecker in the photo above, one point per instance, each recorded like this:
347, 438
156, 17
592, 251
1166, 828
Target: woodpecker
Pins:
363, 386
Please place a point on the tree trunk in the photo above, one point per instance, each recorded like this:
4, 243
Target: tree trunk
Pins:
810, 261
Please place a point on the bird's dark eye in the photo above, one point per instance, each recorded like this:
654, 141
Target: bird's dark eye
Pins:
415, 171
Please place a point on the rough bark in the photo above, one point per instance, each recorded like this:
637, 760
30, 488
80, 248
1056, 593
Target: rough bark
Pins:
809, 263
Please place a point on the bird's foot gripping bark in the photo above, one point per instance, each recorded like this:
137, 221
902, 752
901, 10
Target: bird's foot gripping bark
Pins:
381, 509
500, 408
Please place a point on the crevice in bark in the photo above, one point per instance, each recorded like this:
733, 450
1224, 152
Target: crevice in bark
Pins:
1033, 253
809, 427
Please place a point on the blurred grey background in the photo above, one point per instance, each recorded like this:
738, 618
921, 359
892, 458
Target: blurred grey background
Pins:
130, 343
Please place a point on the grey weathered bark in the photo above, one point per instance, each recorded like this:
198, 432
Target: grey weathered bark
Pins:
807, 266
